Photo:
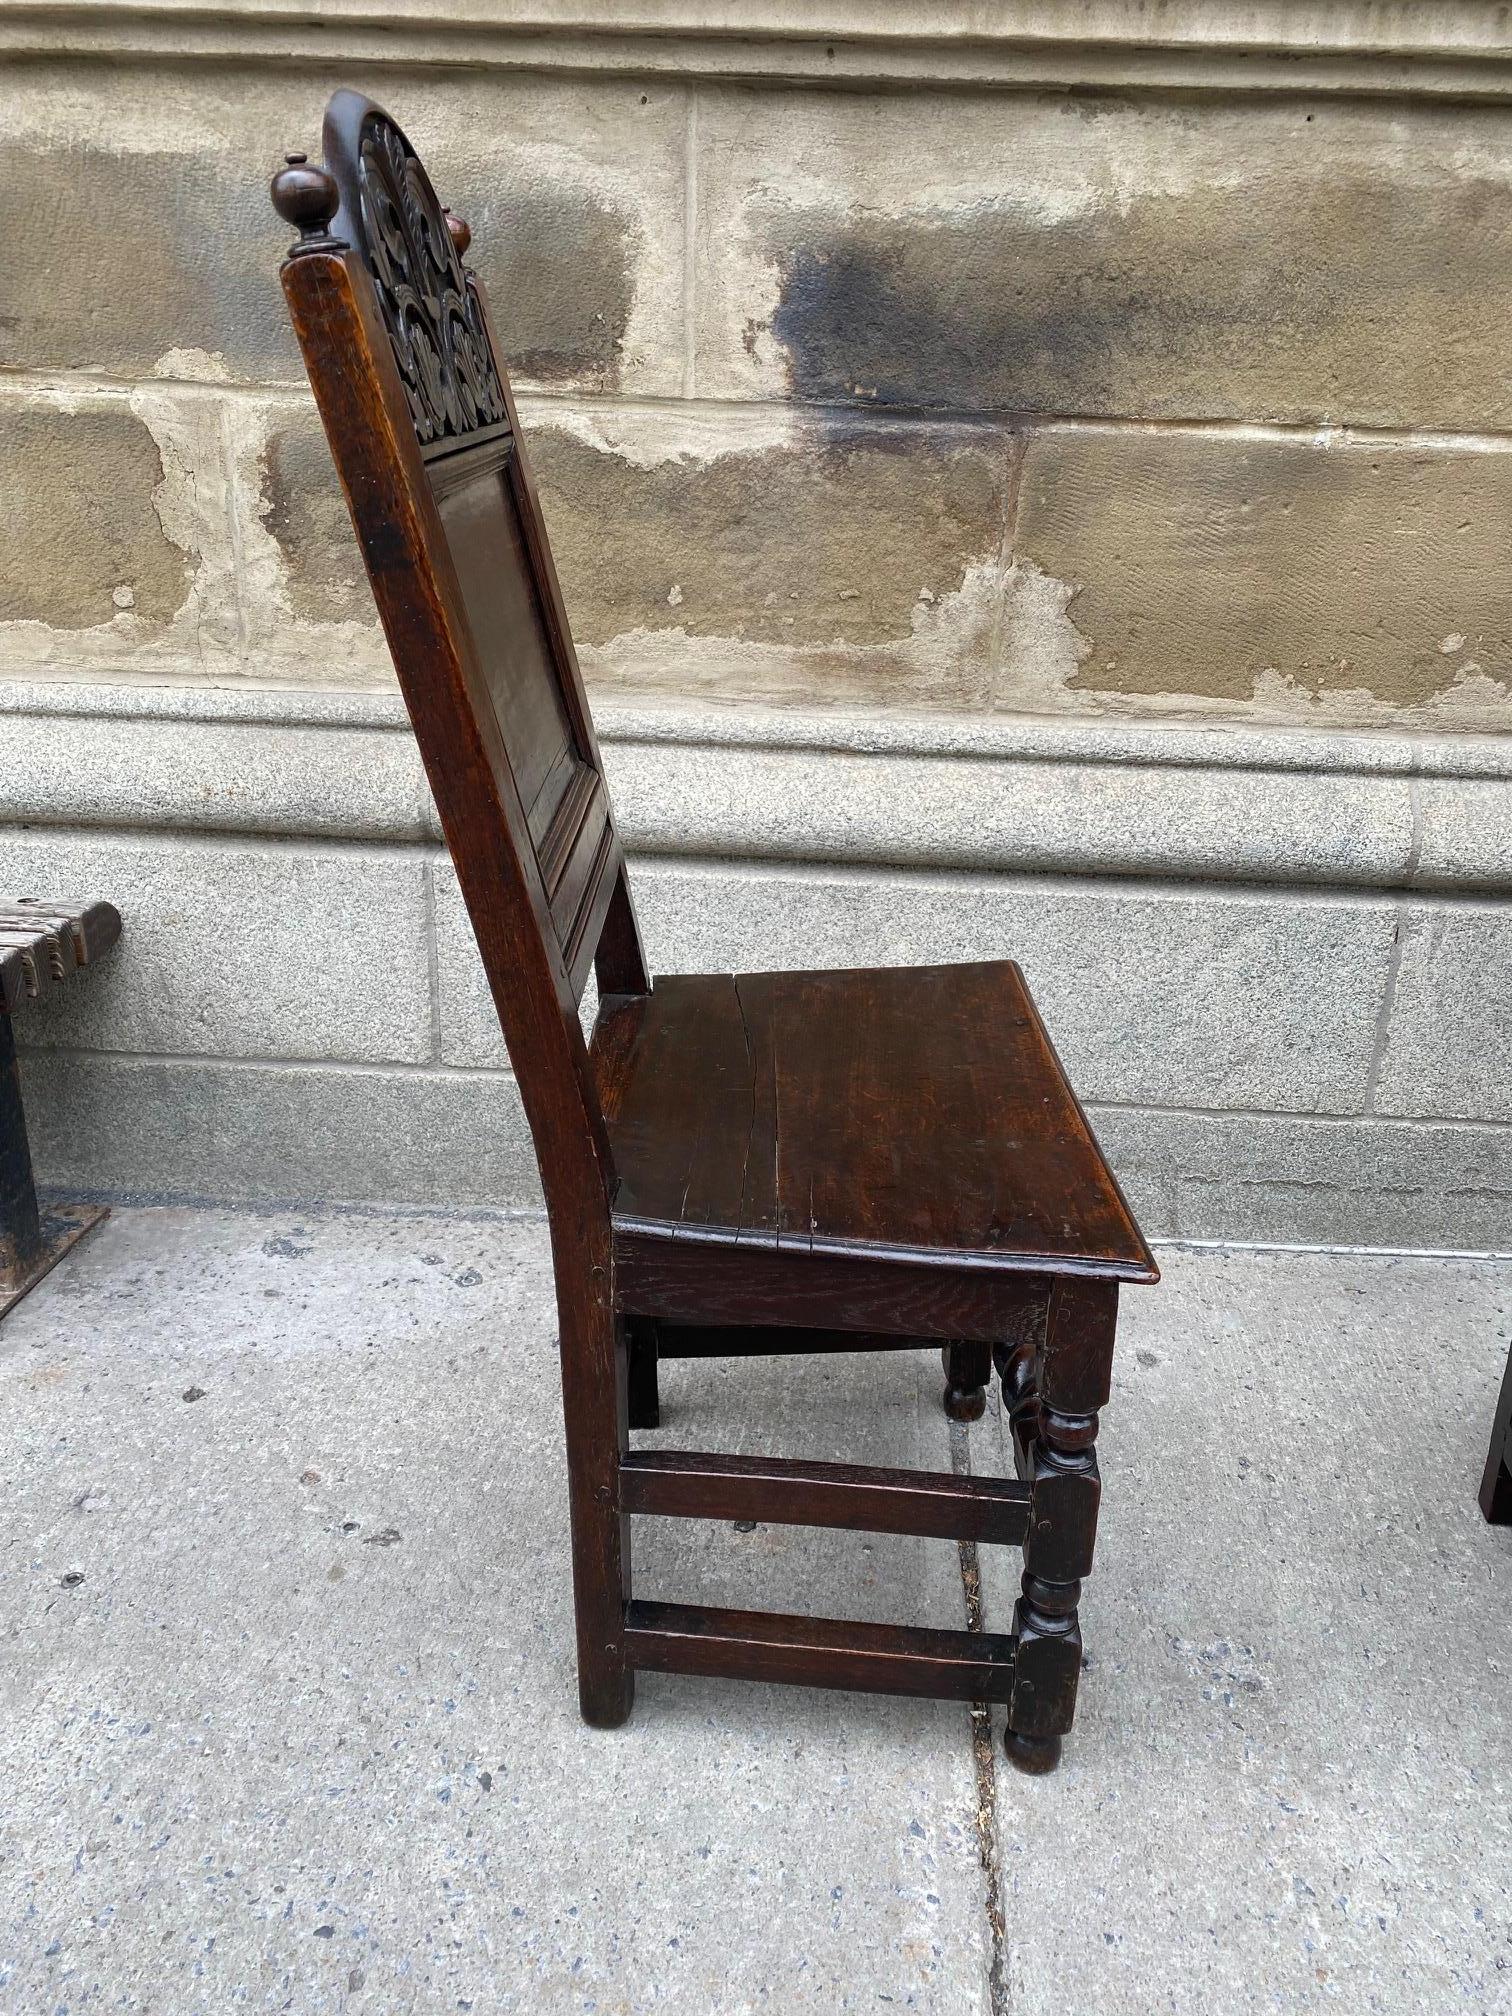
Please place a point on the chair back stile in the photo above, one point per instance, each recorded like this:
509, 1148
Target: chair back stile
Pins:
422, 426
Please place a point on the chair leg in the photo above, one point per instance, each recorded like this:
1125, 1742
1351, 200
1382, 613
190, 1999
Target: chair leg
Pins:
968, 1367
1496, 1485
1056, 1416
644, 1395
595, 1412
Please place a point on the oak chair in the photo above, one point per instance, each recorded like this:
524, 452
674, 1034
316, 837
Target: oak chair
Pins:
825, 1161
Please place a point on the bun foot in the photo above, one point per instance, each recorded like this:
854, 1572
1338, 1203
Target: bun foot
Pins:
1033, 1755
965, 1403
968, 1367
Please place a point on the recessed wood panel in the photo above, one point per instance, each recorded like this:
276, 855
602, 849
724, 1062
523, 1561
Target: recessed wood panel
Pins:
476, 500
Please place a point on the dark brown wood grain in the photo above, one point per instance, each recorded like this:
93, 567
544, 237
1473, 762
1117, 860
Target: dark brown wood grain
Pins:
910, 1113
820, 1652
932, 1505
821, 1161
748, 1286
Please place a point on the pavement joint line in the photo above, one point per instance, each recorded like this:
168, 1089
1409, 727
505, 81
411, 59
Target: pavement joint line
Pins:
983, 1759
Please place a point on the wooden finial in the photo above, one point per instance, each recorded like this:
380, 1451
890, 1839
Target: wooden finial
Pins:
307, 198
461, 232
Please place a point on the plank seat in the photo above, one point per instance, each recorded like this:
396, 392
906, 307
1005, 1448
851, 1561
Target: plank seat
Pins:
912, 1114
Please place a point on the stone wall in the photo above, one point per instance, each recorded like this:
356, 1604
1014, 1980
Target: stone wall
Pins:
1038, 488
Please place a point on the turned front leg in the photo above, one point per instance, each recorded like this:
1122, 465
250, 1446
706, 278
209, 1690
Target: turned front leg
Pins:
1053, 1388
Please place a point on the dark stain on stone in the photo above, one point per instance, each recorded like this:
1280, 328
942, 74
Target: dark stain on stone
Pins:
194, 1393
284, 1248
1274, 300
115, 257
559, 266
485, 1779
389, 1537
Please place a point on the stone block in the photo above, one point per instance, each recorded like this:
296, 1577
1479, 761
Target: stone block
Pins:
1004, 807
1465, 822
1161, 997
141, 236
778, 561
1449, 1040
83, 543
304, 512
309, 1134
468, 1032
1282, 1179
240, 950
1350, 581
1129, 257
468, 1026
1154, 995
280, 778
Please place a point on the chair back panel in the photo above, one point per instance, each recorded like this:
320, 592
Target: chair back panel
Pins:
423, 429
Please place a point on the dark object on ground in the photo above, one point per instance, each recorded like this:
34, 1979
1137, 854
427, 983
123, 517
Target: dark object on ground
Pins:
1496, 1485
41, 944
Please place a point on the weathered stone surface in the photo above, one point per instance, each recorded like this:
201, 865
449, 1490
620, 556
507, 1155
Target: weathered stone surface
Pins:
218, 1128
140, 233
1449, 1040
1154, 995
1121, 257
81, 541
238, 950
837, 562
1276, 1178
302, 507
1349, 580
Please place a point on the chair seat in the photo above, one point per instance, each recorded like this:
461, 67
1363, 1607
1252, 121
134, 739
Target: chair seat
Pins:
911, 1114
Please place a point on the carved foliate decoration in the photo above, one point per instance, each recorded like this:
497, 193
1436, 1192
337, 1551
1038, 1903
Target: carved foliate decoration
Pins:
432, 316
